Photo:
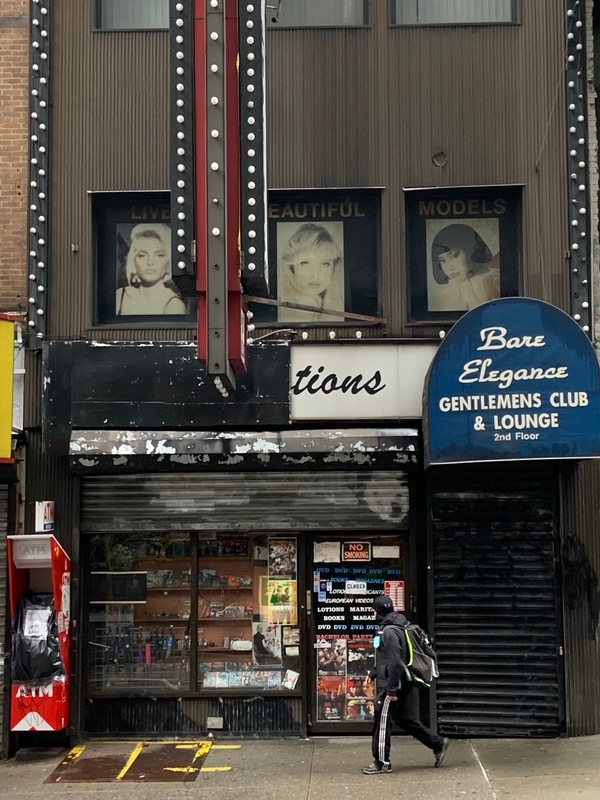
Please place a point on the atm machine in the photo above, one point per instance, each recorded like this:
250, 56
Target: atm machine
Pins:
39, 585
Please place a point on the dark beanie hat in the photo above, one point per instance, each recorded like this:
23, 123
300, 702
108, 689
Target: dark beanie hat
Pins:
383, 604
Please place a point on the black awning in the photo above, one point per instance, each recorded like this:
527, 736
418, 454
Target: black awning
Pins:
124, 449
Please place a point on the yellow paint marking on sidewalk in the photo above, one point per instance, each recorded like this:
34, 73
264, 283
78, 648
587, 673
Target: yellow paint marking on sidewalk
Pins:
73, 753
215, 769
203, 750
135, 753
180, 769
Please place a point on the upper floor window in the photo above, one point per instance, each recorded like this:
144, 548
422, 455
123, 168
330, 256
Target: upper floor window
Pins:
316, 13
453, 12
121, 15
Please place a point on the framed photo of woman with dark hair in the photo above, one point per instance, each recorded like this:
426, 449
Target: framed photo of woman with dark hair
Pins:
463, 249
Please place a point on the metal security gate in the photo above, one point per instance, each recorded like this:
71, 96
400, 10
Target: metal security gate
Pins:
346, 500
3, 608
495, 602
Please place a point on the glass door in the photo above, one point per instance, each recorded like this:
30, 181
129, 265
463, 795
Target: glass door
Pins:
347, 572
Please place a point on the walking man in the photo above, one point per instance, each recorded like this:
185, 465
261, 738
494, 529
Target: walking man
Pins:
395, 690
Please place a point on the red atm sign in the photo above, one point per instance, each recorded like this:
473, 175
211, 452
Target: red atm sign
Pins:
356, 551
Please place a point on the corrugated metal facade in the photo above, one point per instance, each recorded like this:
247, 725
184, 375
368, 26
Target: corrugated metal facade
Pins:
382, 96
344, 500
4, 657
496, 550
49, 478
110, 126
386, 96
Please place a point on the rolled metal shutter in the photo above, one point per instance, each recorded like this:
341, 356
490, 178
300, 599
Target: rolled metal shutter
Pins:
336, 500
3, 607
495, 602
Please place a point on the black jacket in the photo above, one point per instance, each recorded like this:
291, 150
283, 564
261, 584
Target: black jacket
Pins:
392, 652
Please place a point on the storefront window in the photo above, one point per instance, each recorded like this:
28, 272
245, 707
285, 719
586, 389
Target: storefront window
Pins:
139, 618
148, 613
248, 626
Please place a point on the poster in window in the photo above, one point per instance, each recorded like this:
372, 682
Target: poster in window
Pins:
133, 261
282, 557
332, 657
331, 699
118, 587
282, 602
323, 256
266, 644
463, 249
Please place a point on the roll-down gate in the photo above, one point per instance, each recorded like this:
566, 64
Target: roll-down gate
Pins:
496, 602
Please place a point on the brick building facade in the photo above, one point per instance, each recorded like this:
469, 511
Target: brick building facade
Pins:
14, 65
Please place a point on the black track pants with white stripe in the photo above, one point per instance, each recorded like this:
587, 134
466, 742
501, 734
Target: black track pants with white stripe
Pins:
398, 710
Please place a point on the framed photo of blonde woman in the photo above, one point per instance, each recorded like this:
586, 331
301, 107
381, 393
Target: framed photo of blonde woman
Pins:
133, 261
323, 257
310, 270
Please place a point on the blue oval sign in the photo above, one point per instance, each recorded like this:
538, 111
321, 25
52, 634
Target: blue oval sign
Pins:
514, 379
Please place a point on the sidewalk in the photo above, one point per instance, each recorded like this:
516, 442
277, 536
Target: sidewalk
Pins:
321, 768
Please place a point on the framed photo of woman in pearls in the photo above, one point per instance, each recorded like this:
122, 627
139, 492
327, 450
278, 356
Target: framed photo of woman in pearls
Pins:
133, 262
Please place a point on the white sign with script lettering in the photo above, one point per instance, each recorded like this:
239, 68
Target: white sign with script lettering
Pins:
359, 381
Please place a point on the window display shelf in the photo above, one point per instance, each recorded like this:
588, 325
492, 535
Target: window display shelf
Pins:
163, 626
165, 589
237, 559
224, 588
211, 579
233, 549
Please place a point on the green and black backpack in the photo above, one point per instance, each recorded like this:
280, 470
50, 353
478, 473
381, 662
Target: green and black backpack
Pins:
422, 659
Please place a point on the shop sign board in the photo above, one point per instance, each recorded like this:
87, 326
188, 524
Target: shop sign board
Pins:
44, 516
32, 551
359, 381
515, 379
395, 590
356, 551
